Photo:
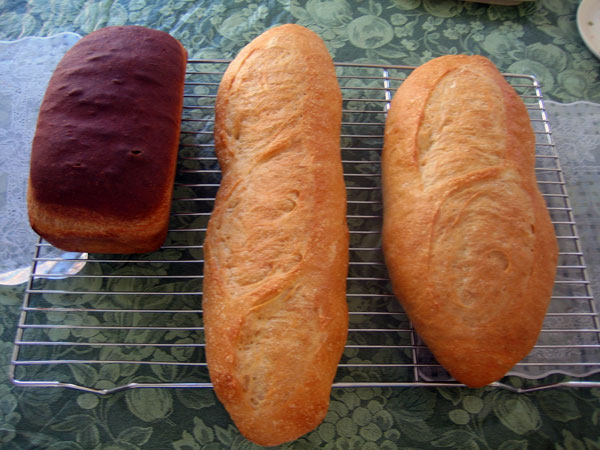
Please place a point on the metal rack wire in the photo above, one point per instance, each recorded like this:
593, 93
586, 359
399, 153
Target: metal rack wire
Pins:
104, 323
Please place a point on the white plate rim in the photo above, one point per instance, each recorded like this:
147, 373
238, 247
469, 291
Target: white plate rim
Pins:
589, 9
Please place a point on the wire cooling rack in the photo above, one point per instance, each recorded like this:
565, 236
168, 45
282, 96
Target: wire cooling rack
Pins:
104, 323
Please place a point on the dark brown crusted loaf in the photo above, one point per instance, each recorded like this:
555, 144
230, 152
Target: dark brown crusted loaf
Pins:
467, 236
105, 148
276, 249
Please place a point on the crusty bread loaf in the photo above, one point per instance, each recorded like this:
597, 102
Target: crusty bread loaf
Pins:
276, 248
105, 147
467, 236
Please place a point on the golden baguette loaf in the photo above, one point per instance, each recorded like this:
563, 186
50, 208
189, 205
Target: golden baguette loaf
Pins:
105, 147
467, 236
276, 248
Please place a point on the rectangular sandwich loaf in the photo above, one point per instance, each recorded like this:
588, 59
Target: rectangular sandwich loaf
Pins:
105, 147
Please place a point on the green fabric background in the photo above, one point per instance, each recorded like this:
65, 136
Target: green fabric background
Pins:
538, 38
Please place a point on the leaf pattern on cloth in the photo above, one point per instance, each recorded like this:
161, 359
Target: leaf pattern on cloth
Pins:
536, 37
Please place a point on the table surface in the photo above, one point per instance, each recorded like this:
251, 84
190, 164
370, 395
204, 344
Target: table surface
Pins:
538, 38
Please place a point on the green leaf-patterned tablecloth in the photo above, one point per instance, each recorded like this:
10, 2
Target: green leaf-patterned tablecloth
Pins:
538, 38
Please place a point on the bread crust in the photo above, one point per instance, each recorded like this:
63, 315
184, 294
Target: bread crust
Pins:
467, 237
276, 248
105, 148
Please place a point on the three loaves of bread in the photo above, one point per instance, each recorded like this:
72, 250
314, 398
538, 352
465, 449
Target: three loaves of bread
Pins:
467, 238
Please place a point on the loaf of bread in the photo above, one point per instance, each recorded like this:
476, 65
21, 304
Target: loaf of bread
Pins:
105, 147
467, 237
276, 248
